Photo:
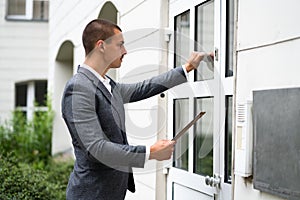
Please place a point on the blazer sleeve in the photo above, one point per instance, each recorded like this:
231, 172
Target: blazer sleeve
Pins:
79, 112
150, 87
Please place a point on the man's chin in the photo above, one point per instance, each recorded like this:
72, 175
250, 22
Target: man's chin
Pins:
114, 66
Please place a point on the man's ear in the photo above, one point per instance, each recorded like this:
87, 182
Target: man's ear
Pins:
100, 45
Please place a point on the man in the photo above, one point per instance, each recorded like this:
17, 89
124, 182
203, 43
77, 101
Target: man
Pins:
92, 107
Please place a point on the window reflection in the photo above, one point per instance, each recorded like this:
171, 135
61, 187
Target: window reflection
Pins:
40, 10
182, 42
205, 38
203, 154
228, 140
16, 7
229, 37
181, 118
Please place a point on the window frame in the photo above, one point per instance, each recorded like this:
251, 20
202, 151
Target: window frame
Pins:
29, 12
30, 106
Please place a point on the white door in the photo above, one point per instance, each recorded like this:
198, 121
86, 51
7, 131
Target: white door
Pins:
201, 167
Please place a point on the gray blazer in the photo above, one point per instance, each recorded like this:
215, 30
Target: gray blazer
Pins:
96, 122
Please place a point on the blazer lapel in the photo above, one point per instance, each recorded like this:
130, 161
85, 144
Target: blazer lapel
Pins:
118, 105
96, 82
114, 100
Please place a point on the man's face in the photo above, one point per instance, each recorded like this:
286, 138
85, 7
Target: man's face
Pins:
115, 50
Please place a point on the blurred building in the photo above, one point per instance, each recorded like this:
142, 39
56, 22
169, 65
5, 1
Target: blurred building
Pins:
255, 45
24, 50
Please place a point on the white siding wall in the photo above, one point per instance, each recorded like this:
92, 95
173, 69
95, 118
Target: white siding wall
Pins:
268, 42
138, 20
67, 20
141, 23
268, 57
23, 56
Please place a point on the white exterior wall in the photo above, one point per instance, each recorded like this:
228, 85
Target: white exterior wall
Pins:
143, 25
23, 56
268, 42
67, 20
138, 19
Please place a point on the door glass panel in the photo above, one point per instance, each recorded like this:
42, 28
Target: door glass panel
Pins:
205, 38
229, 37
182, 34
228, 140
203, 154
181, 118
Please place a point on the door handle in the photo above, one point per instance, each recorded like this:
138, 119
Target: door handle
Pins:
214, 181
216, 54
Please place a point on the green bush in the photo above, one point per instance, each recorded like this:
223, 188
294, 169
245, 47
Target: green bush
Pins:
27, 170
29, 141
23, 181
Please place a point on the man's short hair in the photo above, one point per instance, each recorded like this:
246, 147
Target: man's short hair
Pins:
97, 29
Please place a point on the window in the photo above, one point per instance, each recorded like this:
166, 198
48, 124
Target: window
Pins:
16, 7
229, 37
205, 38
181, 118
21, 95
31, 97
203, 143
28, 10
21, 98
182, 35
228, 139
40, 92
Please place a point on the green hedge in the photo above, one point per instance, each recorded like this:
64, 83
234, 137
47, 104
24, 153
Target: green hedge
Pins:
30, 141
24, 181
27, 170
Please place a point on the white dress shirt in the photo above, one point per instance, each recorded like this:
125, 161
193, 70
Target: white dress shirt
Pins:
104, 80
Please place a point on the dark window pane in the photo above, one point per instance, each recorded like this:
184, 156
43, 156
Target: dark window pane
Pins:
40, 10
181, 118
203, 154
228, 140
229, 37
40, 92
21, 95
182, 41
16, 7
205, 38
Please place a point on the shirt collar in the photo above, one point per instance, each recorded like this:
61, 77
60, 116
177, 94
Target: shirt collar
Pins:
103, 80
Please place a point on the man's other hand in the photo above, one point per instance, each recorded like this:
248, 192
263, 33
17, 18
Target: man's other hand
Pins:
162, 150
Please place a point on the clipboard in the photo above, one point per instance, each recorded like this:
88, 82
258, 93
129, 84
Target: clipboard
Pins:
191, 123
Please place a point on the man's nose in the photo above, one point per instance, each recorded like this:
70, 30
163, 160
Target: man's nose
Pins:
124, 51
